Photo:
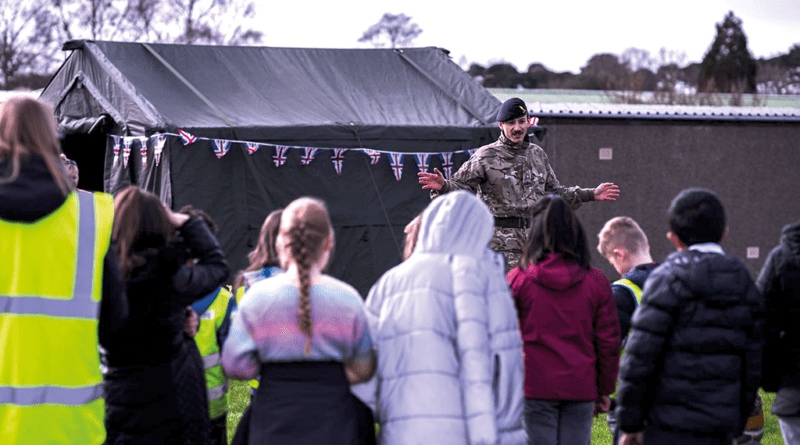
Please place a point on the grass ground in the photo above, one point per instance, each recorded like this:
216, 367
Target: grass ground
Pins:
240, 397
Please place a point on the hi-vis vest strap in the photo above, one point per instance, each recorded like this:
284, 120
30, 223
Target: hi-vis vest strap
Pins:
51, 275
635, 290
211, 320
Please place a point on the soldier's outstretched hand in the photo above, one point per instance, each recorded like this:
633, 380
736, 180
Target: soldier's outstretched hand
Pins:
606, 191
435, 180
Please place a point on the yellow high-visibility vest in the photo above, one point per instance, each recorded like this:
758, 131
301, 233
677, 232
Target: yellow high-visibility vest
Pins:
631, 286
211, 350
51, 275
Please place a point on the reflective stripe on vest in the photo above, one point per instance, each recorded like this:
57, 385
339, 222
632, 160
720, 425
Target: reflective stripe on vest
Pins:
635, 290
81, 305
51, 395
209, 361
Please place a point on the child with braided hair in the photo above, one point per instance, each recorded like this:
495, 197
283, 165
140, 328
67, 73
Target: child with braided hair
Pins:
306, 335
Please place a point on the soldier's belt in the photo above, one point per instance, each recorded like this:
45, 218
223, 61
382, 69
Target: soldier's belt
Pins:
511, 222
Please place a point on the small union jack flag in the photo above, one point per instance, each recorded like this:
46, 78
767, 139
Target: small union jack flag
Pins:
397, 164
252, 147
280, 155
471, 151
126, 150
221, 147
309, 156
116, 150
186, 137
534, 121
143, 151
158, 147
447, 164
338, 159
374, 155
422, 161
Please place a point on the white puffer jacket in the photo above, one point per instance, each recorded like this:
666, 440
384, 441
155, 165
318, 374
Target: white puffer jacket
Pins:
450, 365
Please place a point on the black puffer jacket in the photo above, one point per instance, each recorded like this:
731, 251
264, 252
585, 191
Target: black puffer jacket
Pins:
780, 281
694, 352
155, 388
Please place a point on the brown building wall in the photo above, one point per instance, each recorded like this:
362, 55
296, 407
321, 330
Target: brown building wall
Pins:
754, 167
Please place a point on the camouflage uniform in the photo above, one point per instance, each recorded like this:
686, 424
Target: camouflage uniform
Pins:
510, 179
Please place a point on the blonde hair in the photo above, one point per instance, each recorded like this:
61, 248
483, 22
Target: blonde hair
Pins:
28, 127
412, 233
621, 231
305, 229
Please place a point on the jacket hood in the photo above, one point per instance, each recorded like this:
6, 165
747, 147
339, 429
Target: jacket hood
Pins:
458, 223
790, 239
33, 195
694, 268
556, 273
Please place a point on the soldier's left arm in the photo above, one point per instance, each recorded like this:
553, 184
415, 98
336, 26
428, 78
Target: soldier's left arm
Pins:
574, 196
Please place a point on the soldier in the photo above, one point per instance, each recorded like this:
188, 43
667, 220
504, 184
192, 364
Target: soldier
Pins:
510, 175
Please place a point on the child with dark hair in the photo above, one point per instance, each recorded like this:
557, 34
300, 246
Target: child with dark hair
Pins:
779, 280
155, 390
569, 328
692, 362
306, 335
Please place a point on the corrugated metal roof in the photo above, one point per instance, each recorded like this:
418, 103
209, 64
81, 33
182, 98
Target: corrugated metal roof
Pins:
684, 112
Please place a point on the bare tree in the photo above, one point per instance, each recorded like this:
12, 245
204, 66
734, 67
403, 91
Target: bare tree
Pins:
209, 22
397, 29
26, 43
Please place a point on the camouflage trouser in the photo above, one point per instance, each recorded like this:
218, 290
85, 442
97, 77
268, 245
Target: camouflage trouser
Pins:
509, 242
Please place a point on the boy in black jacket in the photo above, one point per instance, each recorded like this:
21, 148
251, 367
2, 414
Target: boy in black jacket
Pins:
693, 359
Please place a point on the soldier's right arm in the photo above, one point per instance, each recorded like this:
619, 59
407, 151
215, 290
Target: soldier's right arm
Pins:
469, 177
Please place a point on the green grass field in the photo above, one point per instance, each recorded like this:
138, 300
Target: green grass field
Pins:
240, 397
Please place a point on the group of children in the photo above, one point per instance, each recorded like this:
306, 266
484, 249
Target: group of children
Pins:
691, 331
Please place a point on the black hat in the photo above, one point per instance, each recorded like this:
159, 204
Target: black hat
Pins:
512, 109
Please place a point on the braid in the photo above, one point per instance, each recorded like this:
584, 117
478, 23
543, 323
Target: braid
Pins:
303, 258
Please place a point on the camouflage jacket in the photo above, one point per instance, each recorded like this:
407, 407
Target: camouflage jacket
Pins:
510, 179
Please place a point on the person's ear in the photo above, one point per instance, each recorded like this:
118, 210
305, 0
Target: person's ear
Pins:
620, 252
328, 243
679, 245
724, 234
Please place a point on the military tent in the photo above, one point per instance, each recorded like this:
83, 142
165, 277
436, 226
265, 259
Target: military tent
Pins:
240, 131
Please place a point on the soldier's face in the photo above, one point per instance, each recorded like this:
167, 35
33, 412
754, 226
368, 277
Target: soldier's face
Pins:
515, 129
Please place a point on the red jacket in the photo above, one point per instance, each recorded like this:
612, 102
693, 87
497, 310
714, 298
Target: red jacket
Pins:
570, 330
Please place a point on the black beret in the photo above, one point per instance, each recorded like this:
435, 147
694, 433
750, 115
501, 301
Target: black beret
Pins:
511, 109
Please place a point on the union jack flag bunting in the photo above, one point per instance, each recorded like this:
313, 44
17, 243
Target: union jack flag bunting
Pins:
309, 156
447, 164
397, 164
280, 155
374, 155
126, 150
143, 151
471, 151
534, 121
158, 147
422, 161
186, 137
338, 159
221, 147
252, 147
116, 150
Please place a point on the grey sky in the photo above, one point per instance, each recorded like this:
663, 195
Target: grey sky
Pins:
561, 35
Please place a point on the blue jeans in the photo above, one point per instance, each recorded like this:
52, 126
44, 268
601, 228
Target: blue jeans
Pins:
558, 422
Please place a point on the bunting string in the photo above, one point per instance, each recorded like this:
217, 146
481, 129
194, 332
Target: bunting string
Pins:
222, 146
